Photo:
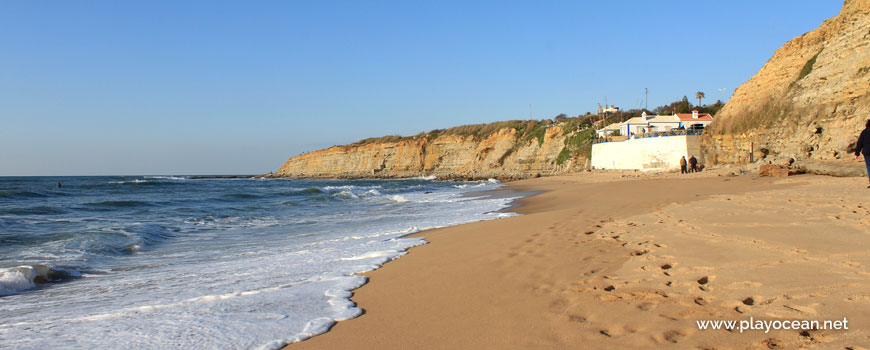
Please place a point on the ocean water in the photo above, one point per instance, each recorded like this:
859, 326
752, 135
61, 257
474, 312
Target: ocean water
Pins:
166, 262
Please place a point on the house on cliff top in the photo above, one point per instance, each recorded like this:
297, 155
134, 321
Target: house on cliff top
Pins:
687, 120
652, 145
608, 130
646, 124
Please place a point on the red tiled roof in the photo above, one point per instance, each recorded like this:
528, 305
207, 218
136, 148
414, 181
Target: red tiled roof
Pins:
688, 116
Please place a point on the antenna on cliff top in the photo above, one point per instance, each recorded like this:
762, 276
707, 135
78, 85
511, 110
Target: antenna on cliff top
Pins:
722, 90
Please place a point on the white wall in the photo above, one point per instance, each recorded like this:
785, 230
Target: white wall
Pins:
649, 153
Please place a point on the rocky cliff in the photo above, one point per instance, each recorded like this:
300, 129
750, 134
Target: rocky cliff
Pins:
808, 102
516, 151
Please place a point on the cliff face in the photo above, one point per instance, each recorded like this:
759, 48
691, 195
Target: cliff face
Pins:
502, 154
809, 101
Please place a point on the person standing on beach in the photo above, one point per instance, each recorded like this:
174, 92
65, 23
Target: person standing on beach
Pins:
693, 164
683, 165
863, 147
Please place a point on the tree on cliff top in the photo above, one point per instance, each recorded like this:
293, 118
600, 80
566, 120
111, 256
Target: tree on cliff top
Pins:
699, 95
684, 106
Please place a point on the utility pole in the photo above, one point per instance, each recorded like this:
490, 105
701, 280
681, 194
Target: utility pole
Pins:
645, 100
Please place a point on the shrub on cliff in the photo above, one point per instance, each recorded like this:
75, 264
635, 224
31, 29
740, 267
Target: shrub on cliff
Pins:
579, 144
525, 131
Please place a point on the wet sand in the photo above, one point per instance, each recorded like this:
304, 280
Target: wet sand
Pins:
600, 261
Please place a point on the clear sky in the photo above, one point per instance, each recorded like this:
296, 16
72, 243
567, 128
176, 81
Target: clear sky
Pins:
220, 87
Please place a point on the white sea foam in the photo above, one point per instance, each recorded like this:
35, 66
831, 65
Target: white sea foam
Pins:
134, 181
166, 177
20, 279
16, 280
346, 195
399, 198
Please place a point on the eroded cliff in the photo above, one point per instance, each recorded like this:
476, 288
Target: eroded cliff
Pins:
809, 101
506, 152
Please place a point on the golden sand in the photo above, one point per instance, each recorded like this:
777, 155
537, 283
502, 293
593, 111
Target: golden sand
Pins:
605, 262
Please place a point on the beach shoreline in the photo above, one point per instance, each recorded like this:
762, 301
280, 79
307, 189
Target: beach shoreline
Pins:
559, 276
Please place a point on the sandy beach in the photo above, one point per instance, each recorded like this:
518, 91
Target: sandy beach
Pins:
614, 261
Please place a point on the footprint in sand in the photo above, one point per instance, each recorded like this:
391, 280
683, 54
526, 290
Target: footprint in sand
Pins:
673, 336
576, 318
772, 343
647, 306
859, 297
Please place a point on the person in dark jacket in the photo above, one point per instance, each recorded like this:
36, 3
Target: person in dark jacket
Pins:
863, 147
693, 164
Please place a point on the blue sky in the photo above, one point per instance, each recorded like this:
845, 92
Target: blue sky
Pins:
220, 87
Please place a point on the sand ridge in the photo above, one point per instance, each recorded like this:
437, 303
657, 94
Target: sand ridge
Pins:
603, 261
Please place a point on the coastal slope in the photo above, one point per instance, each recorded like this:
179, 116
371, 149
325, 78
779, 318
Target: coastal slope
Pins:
808, 102
515, 149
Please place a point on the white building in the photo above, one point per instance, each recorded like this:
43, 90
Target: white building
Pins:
608, 130
634, 126
607, 109
663, 123
687, 120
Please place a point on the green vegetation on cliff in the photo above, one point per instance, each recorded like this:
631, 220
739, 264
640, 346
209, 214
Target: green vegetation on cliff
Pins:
808, 67
525, 130
578, 133
577, 145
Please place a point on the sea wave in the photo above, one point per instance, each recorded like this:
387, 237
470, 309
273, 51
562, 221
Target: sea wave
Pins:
399, 199
35, 210
20, 279
150, 233
21, 194
119, 204
166, 177
225, 222
144, 182
240, 196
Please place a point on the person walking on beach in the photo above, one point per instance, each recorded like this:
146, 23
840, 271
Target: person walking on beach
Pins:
693, 164
863, 147
683, 165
